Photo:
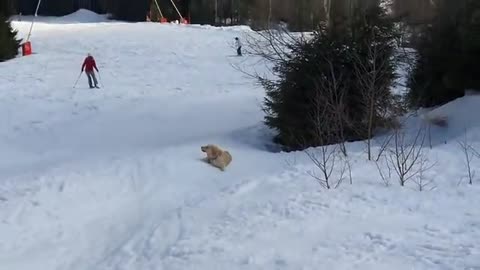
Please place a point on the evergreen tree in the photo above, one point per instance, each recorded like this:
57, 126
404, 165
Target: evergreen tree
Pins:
128, 10
8, 42
471, 45
7, 7
26, 7
317, 99
203, 11
56, 7
448, 55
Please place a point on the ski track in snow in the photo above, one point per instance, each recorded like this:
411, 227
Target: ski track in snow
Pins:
112, 179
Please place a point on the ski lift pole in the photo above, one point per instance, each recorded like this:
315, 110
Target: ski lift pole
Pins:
33, 20
159, 10
179, 14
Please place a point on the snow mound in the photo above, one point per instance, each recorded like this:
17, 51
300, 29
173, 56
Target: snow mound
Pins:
79, 16
453, 120
83, 16
462, 112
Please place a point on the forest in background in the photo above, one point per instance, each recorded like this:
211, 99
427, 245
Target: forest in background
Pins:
298, 14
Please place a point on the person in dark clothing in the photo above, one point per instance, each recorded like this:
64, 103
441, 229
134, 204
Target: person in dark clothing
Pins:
88, 65
238, 43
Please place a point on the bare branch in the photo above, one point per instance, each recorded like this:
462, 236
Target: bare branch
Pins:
420, 180
271, 48
371, 71
407, 158
331, 168
474, 151
385, 176
349, 169
384, 145
469, 153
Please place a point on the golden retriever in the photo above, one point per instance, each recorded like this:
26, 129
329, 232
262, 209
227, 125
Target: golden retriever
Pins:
216, 156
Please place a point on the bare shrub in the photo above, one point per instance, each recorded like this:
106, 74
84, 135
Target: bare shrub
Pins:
374, 73
385, 171
271, 47
421, 181
330, 169
407, 156
330, 104
468, 153
384, 143
349, 168
332, 164
475, 152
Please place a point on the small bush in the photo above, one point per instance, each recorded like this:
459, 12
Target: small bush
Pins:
8, 42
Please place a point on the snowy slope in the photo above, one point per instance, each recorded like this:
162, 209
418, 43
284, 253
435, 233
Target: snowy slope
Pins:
112, 178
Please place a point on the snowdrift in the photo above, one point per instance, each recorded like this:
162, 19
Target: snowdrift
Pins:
83, 16
80, 16
458, 119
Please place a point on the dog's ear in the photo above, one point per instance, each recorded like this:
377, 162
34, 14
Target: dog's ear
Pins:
216, 152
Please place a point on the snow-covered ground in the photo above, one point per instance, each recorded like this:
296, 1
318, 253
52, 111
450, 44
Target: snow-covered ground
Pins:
113, 178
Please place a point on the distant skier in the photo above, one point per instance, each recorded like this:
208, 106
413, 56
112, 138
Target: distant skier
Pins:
238, 43
88, 65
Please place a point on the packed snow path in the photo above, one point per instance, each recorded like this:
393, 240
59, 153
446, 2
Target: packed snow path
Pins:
113, 178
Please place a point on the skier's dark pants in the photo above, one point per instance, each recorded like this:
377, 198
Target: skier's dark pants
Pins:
239, 50
91, 75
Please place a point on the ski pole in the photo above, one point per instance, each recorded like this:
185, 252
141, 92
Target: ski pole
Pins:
100, 79
77, 79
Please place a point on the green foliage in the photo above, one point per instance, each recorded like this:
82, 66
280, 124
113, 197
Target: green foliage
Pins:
7, 7
294, 103
448, 56
471, 45
56, 7
317, 99
8, 43
128, 10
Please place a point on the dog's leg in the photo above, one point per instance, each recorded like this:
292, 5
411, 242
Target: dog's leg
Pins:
218, 164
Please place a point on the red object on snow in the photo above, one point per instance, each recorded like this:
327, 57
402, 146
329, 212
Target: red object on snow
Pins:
163, 20
184, 21
89, 64
26, 48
